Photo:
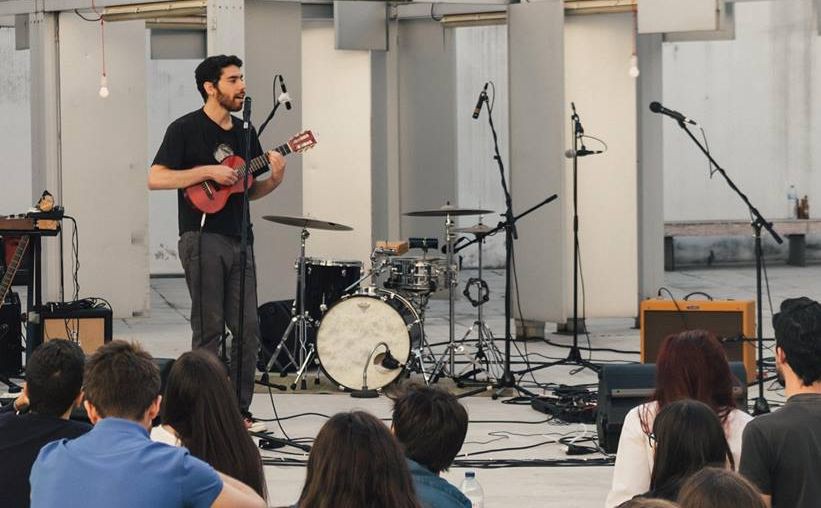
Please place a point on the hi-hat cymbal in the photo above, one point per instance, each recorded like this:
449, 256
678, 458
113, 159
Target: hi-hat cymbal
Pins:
476, 229
307, 222
448, 210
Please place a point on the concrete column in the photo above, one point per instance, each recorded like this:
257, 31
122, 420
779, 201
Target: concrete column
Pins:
226, 27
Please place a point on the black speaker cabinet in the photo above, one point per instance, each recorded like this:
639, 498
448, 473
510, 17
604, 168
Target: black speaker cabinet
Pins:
90, 327
728, 319
11, 343
623, 387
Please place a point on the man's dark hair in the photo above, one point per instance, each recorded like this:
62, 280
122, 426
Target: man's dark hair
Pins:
121, 380
54, 377
798, 334
430, 424
210, 71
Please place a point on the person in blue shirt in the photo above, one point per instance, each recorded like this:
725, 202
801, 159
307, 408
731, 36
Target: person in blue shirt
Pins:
431, 425
116, 464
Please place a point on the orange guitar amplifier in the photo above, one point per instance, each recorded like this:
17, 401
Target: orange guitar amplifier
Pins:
729, 320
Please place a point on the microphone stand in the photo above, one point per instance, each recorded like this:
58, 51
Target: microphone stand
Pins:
243, 254
758, 222
511, 234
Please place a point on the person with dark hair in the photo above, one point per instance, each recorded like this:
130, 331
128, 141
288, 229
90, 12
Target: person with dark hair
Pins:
199, 409
713, 487
355, 461
688, 437
54, 379
690, 365
116, 464
643, 502
431, 425
782, 450
209, 247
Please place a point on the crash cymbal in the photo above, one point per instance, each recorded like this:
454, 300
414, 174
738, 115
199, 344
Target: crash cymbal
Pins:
476, 229
307, 222
448, 210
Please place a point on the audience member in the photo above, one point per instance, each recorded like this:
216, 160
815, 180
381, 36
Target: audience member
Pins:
431, 426
782, 450
200, 409
690, 365
54, 378
688, 437
719, 488
116, 464
645, 502
356, 462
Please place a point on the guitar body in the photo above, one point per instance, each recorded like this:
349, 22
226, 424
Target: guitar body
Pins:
211, 197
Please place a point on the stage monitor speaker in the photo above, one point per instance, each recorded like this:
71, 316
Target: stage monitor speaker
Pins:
731, 321
90, 327
623, 387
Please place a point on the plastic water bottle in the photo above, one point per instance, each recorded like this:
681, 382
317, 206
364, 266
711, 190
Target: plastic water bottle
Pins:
472, 490
792, 203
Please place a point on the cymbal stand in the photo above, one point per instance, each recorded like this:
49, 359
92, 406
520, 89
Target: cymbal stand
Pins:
488, 357
451, 281
300, 321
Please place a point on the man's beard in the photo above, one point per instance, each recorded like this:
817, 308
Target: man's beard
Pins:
228, 102
779, 374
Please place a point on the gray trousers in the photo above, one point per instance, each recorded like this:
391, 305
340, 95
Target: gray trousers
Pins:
212, 271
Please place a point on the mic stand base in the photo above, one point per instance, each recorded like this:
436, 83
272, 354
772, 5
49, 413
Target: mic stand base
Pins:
761, 406
364, 393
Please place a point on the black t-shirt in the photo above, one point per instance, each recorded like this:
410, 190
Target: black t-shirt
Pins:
192, 140
21, 437
781, 453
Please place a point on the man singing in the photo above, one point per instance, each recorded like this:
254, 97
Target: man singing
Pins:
209, 245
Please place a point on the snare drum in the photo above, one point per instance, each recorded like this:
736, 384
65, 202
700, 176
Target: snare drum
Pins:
354, 326
417, 275
325, 282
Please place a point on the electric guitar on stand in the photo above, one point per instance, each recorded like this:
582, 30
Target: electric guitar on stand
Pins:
11, 269
210, 197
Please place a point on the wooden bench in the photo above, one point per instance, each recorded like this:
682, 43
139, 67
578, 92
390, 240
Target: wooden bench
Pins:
793, 230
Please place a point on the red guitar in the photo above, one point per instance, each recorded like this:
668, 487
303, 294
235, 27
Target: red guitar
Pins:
210, 197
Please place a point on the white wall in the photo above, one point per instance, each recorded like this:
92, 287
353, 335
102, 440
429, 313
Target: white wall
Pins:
170, 93
597, 54
15, 129
481, 56
104, 159
336, 102
757, 98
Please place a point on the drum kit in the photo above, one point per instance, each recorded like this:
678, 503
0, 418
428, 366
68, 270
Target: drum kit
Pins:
370, 335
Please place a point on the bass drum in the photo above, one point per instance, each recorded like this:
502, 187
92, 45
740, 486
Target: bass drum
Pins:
354, 326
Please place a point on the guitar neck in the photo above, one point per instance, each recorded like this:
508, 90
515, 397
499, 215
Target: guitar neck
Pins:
11, 270
259, 165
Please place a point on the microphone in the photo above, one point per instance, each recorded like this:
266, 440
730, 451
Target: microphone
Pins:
583, 152
655, 107
480, 101
284, 98
388, 361
246, 111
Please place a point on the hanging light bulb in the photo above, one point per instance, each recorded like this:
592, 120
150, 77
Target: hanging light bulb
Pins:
103, 86
633, 71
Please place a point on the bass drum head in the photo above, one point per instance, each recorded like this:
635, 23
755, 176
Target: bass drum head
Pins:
350, 331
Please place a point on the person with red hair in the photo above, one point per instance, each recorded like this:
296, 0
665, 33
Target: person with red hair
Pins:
690, 365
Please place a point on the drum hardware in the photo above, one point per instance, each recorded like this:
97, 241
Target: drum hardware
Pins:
449, 212
301, 319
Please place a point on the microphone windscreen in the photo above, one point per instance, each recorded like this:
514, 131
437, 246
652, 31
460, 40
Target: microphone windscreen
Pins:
655, 107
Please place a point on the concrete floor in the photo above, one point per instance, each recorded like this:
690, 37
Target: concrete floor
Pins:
494, 423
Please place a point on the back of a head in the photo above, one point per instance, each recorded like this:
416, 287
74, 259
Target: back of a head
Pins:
355, 461
430, 424
689, 437
719, 488
693, 365
54, 377
798, 333
121, 380
647, 502
201, 406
